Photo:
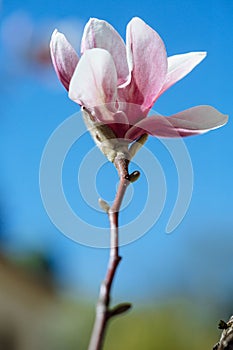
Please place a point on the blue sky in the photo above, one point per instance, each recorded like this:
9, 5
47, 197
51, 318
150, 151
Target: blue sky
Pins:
33, 104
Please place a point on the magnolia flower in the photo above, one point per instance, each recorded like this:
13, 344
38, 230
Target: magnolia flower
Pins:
119, 83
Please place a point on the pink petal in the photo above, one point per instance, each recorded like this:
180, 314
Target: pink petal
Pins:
180, 65
119, 124
193, 121
147, 60
100, 34
94, 81
133, 111
64, 58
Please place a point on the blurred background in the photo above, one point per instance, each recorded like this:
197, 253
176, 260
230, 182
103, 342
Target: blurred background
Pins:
181, 284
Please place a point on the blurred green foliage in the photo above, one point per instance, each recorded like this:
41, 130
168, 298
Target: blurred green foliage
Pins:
35, 305
179, 325
176, 326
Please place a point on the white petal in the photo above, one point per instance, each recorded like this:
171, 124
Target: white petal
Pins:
192, 121
181, 65
64, 57
94, 81
100, 34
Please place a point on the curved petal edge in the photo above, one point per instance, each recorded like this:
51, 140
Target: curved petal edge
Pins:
64, 57
193, 121
179, 66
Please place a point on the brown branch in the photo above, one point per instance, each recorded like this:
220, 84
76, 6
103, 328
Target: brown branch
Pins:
103, 312
226, 339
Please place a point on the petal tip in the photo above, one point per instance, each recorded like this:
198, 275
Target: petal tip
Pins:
225, 119
55, 34
202, 54
137, 19
55, 38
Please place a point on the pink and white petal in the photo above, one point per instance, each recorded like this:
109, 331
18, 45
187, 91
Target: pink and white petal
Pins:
119, 124
181, 65
94, 81
193, 121
147, 59
64, 57
100, 34
133, 111
154, 125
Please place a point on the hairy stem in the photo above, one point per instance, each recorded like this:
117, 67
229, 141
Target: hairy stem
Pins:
103, 312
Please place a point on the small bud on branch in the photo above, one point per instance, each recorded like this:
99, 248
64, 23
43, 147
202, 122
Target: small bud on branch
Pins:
120, 309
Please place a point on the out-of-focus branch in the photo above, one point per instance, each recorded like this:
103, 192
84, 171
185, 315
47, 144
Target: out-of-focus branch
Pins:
226, 339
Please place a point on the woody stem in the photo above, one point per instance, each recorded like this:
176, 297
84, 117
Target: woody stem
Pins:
103, 312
